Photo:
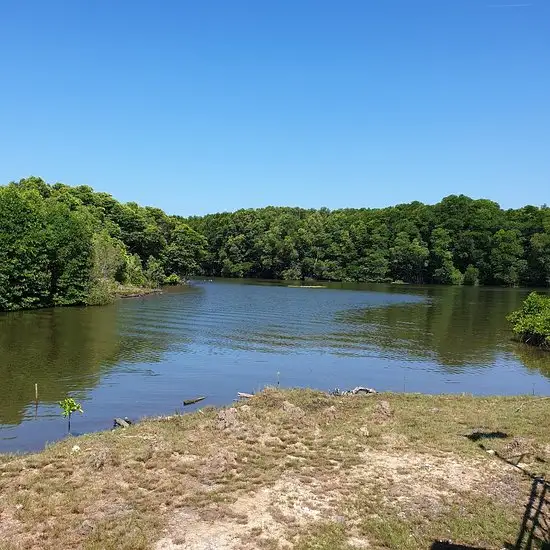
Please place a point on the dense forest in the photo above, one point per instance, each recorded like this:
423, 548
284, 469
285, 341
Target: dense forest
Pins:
457, 241
62, 245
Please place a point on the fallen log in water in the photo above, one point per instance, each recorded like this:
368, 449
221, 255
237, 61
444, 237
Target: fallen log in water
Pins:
354, 391
193, 401
244, 395
121, 423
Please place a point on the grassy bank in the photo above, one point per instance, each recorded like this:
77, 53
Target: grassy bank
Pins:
290, 469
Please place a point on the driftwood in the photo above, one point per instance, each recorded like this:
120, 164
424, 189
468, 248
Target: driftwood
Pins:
354, 391
193, 401
121, 423
361, 389
244, 395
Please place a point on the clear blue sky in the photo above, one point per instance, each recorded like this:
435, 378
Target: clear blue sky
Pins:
199, 106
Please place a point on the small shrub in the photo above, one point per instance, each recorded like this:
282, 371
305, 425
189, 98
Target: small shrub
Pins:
134, 271
457, 278
172, 279
154, 273
293, 273
471, 276
68, 407
531, 323
102, 292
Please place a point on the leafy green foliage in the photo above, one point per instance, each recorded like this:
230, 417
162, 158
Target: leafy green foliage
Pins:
133, 271
69, 244
69, 406
471, 276
532, 321
172, 279
62, 245
186, 251
25, 280
540, 256
409, 258
154, 272
507, 257
102, 292
108, 264
444, 271
457, 241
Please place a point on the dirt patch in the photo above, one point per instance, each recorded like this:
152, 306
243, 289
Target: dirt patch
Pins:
408, 482
293, 411
382, 411
330, 413
276, 512
413, 482
520, 449
228, 419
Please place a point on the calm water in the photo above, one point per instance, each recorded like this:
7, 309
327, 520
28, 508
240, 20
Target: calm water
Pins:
144, 356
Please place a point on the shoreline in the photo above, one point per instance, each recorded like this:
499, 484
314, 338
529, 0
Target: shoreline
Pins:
288, 469
110, 423
138, 294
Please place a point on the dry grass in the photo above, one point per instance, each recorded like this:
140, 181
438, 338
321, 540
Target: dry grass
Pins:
287, 469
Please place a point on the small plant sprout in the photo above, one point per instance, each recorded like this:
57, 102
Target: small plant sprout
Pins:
68, 407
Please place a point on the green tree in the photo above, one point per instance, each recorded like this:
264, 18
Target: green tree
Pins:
69, 245
409, 258
133, 271
154, 272
540, 247
506, 256
62, 245
441, 259
108, 265
25, 279
233, 257
185, 253
371, 267
471, 276
34, 184
68, 407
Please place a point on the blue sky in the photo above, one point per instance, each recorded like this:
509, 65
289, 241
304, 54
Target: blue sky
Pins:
205, 106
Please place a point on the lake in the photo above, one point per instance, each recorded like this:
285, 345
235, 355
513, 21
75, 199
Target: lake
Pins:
143, 356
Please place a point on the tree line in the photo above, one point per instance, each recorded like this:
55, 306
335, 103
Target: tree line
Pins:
456, 241
62, 245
